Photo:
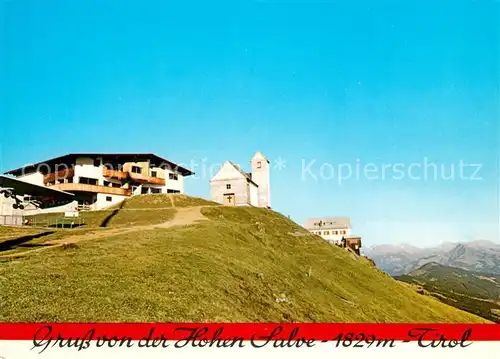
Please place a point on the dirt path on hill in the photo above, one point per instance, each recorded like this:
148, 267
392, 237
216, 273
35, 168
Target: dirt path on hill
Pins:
182, 217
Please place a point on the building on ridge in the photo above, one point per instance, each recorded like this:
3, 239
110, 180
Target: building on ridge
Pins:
335, 230
100, 180
232, 186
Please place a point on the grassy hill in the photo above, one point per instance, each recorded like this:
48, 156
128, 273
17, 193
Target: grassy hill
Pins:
204, 263
475, 292
158, 206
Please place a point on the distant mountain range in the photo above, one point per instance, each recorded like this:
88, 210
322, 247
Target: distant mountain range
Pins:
474, 292
481, 256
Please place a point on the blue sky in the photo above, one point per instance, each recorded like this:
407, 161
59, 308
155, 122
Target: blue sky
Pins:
335, 82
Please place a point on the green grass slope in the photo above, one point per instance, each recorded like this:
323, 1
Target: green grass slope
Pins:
475, 292
154, 201
137, 210
240, 265
105, 218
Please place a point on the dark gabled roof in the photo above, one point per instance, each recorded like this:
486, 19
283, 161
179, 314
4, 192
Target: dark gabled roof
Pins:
110, 157
246, 175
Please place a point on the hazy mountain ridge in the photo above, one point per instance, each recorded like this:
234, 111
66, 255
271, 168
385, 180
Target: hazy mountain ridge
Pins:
482, 256
475, 292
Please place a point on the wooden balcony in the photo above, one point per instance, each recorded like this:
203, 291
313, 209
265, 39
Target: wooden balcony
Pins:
80, 187
114, 174
62, 174
121, 175
147, 179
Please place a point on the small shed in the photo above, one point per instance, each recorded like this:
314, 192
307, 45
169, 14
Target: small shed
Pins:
353, 242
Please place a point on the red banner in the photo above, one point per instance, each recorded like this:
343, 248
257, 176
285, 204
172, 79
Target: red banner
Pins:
219, 333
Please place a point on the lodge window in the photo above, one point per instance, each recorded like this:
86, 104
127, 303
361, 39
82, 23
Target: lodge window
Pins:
228, 186
336, 232
144, 190
111, 184
153, 174
155, 190
327, 233
259, 164
136, 169
86, 180
173, 191
173, 176
109, 198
